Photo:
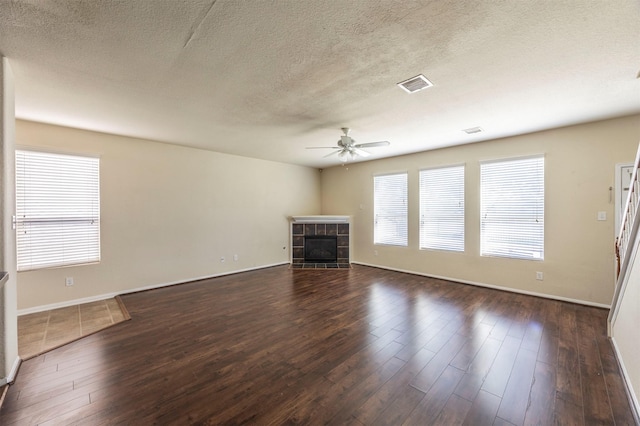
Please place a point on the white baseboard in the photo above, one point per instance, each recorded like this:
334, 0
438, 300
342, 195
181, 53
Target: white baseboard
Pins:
13, 373
104, 296
633, 397
496, 287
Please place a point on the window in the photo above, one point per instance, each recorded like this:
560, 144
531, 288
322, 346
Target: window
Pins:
57, 210
390, 209
512, 208
442, 208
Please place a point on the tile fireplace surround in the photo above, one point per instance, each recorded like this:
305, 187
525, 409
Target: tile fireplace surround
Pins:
310, 226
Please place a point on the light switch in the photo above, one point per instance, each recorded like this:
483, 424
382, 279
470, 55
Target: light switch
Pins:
602, 215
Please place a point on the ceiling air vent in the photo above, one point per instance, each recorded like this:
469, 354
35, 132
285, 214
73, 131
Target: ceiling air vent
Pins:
472, 130
415, 84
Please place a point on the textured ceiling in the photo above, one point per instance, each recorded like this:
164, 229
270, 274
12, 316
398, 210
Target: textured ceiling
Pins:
266, 79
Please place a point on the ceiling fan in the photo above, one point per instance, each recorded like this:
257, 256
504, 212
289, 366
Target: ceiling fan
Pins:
347, 147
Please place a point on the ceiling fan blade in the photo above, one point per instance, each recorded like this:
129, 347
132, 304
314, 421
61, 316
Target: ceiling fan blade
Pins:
372, 144
323, 147
361, 152
332, 153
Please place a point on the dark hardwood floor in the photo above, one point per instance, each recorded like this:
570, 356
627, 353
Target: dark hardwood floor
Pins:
359, 346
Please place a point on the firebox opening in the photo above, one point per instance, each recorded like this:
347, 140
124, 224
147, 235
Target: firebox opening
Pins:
320, 248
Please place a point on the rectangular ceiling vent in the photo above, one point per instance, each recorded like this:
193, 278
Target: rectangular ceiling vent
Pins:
415, 84
472, 130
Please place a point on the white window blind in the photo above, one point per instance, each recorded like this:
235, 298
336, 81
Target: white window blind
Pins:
57, 209
442, 208
390, 209
512, 208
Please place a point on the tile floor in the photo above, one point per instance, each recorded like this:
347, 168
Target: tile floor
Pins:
43, 331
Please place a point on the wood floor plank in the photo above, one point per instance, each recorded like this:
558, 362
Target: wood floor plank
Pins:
496, 380
454, 412
502, 422
435, 399
541, 401
615, 384
566, 412
400, 408
483, 411
597, 409
47, 409
361, 346
516, 395
352, 399
373, 406
432, 371
477, 371
472, 346
568, 378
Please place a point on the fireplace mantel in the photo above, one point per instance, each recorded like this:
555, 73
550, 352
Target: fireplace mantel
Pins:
320, 219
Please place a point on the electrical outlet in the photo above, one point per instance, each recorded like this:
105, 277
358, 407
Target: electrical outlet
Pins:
235, 257
68, 281
539, 276
375, 252
222, 259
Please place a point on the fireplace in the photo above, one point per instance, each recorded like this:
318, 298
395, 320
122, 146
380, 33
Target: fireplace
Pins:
321, 248
320, 242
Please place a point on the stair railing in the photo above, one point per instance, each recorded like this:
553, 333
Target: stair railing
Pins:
626, 240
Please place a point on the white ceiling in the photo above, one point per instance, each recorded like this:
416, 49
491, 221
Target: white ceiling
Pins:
266, 79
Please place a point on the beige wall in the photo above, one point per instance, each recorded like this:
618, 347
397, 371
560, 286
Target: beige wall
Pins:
579, 169
169, 213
